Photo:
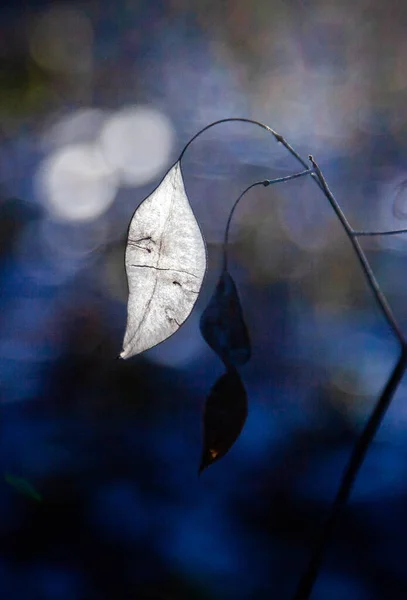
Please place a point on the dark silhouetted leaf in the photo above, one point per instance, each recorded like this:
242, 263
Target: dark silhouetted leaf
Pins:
224, 416
23, 486
222, 324
165, 265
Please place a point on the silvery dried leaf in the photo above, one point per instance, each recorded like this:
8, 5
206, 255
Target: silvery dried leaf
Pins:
224, 416
165, 265
222, 324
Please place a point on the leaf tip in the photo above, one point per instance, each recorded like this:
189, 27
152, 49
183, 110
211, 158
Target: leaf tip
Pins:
205, 463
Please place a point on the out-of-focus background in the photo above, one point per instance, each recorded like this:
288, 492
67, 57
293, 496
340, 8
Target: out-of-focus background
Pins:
97, 100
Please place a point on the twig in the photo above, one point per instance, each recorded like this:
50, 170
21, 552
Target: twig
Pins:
373, 284
386, 232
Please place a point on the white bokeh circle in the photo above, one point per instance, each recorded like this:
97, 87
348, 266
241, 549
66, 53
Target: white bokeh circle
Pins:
137, 142
76, 184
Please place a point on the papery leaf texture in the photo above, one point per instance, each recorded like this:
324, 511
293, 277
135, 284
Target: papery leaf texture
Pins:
222, 324
165, 265
224, 416
23, 486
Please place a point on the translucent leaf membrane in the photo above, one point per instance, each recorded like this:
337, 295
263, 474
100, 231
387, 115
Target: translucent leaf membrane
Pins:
222, 324
165, 265
225, 414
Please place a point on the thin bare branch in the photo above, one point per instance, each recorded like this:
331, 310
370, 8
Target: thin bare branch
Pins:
307, 581
372, 281
385, 232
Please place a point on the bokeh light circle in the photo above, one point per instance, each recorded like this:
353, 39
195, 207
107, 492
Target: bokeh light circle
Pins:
76, 184
137, 142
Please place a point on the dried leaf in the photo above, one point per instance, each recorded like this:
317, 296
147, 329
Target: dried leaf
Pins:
165, 265
23, 486
222, 324
224, 416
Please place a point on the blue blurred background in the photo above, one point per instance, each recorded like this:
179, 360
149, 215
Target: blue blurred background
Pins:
97, 100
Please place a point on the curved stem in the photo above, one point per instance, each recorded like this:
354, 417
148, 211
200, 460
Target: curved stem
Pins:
230, 120
279, 138
226, 236
265, 183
